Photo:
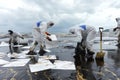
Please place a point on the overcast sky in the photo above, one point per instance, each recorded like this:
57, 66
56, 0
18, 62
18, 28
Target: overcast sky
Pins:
22, 15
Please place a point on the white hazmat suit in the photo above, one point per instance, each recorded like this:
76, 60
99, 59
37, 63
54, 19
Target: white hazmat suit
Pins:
39, 35
14, 40
117, 29
86, 35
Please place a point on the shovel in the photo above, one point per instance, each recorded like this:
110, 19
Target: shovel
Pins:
100, 55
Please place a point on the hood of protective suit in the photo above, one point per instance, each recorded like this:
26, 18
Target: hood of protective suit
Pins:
50, 24
38, 23
10, 32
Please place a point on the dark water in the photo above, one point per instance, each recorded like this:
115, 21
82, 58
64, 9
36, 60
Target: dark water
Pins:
89, 69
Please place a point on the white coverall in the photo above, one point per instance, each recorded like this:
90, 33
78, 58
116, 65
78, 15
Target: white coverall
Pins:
39, 35
118, 29
14, 38
85, 32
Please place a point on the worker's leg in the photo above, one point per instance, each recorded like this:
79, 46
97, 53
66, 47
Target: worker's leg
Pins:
80, 49
42, 51
35, 43
31, 52
15, 47
11, 48
118, 41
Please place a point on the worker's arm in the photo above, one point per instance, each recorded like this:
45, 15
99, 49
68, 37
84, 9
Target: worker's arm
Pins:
47, 36
19, 35
114, 29
79, 34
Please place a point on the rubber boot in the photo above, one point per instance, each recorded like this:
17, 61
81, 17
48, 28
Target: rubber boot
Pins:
31, 53
41, 52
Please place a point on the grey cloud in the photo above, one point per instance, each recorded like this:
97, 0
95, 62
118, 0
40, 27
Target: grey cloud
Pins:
52, 7
88, 6
23, 19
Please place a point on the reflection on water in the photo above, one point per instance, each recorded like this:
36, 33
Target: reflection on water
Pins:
115, 56
89, 69
94, 69
100, 64
109, 68
83, 65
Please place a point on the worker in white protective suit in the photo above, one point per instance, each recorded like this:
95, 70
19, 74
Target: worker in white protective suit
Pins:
86, 35
117, 30
13, 40
40, 34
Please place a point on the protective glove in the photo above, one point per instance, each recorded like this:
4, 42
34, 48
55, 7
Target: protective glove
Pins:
48, 38
47, 33
22, 37
114, 29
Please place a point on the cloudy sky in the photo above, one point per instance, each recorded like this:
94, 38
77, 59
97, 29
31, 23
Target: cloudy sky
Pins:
22, 15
